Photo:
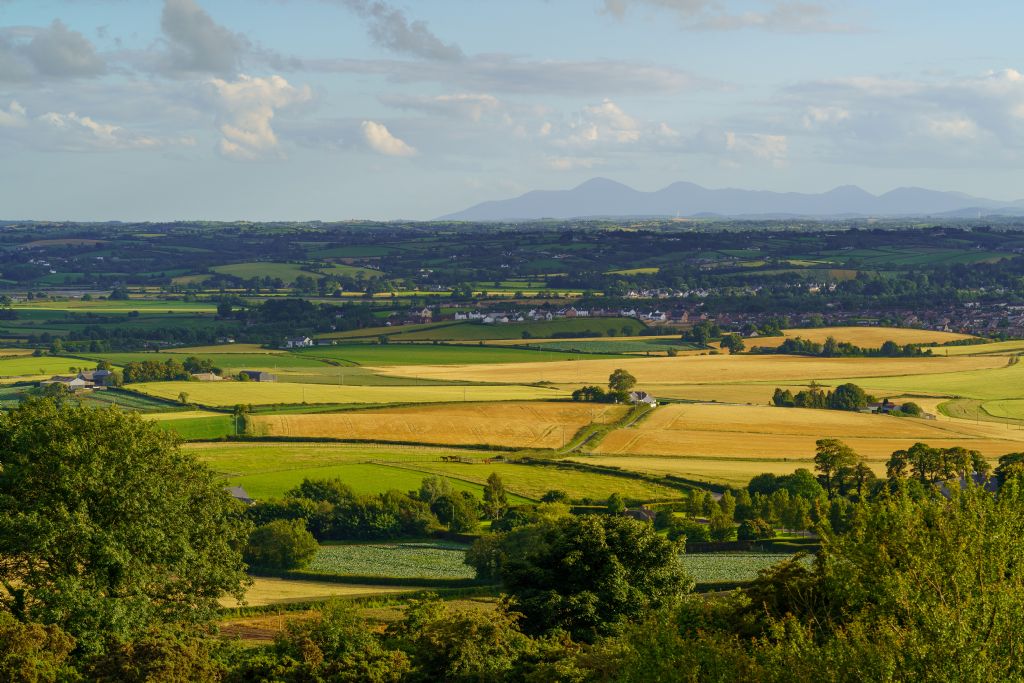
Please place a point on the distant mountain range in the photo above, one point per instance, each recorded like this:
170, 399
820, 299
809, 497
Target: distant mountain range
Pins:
600, 197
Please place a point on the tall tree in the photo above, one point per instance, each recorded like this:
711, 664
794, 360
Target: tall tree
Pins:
621, 380
831, 456
107, 528
495, 497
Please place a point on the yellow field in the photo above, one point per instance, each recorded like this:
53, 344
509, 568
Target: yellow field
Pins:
753, 432
267, 393
721, 369
521, 425
270, 591
864, 337
1006, 347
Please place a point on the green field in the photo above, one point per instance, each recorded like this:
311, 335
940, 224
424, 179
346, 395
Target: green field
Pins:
996, 383
287, 272
428, 560
209, 427
537, 330
429, 354
534, 481
729, 567
612, 346
227, 361
352, 271
28, 366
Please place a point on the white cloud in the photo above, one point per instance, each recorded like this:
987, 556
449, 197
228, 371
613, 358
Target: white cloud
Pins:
956, 127
472, 106
818, 116
13, 116
784, 16
771, 148
247, 107
380, 139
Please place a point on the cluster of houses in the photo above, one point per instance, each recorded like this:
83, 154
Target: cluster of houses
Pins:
490, 317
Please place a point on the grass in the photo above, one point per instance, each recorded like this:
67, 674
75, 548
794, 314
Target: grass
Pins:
729, 567
617, 346
268, 470
33, 366
226, 393
731, 471
534, 481
429, 354
226, 361
999, 381
428, 560
201, 425
520, 425
287, 272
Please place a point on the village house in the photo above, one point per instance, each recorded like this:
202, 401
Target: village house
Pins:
206, 377
642, 398
297, 342
71, 382
259, 376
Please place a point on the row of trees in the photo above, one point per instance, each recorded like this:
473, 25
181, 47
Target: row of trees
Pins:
837, 349
847, 396
167, 370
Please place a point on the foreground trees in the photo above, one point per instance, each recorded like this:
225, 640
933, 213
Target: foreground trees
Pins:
107, 528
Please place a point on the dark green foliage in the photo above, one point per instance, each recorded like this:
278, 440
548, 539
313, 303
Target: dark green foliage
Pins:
584, 574
33, 653
495, 497
107, 528
688, 530
458, 511
620, 381
755, 530
281, 544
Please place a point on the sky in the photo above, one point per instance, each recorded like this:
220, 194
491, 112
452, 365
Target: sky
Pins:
383, 109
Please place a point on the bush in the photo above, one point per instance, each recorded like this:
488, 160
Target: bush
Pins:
281, 544
755, 530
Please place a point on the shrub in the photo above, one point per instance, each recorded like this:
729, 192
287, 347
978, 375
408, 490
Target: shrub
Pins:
281, 544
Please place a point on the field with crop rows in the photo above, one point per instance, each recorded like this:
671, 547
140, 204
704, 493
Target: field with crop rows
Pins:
271, 591
227, 394
753, 432
521, 425
428, 560
729, 567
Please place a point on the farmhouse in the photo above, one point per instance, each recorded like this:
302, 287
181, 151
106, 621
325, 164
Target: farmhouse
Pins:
297, 342
100, 378
259, 376
206, 377
72, 382
884, 407
642, 397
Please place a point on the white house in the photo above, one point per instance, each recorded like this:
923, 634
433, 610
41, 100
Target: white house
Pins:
297, 342
642, 397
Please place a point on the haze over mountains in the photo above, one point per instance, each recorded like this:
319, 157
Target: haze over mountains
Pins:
600, 197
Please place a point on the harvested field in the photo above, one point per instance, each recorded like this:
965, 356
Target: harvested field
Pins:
753, 432
721, 369
272, 591
521, 425
732, 471
271, 393
864, 337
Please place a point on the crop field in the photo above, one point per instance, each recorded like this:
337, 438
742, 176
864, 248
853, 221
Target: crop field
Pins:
117, 306
539, 330
864, 337
1003, 381
1003, 347
226, 361
533, 481
721, 369
641, 345
226, 393
729, 567
199, 426
427, 560
271, 591
268, 470
428, 354
761, 432
218, 349
521, 425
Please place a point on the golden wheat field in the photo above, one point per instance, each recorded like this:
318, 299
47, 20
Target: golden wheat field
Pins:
728, 431
271, 393
718, 369
864, 337
273, 591
521, 425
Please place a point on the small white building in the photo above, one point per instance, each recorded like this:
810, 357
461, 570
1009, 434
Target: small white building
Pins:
642, 398
297, 342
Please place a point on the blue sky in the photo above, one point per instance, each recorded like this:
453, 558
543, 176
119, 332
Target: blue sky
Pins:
335, 109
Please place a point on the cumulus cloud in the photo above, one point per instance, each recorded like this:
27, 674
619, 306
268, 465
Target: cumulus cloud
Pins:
471, 106
73, 132
784, 16
54, 51
196, 43
380, 139
391, 29
247, 107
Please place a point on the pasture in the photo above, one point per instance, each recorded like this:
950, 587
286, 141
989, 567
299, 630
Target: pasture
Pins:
539, 330
428, 354
226, 393
520, 425
732, 471
287, 272
33, 366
